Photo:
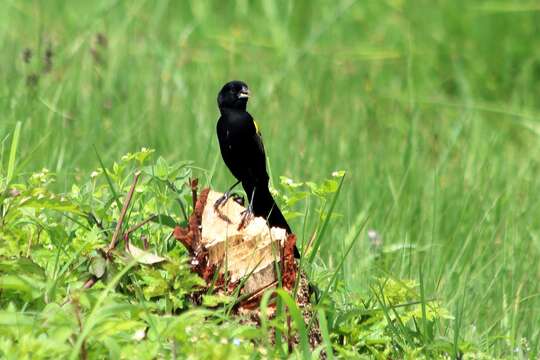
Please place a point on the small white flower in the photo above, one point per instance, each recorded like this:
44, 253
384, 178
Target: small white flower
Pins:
139, 335
374, 238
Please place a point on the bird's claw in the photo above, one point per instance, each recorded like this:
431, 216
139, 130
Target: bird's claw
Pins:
221, 201
247, 216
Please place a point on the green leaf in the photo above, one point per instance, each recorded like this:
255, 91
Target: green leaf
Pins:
21, 266
113, 347
158, 287
144, 257
166, 220
161, 169
139, 156
92, 319
98, 265
216, 300
8, 318
28, 287
52, 202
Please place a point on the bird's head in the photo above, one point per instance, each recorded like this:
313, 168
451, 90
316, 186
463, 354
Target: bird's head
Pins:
233, 95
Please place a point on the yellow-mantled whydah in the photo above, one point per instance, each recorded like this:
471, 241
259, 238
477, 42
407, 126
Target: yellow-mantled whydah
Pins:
242, 150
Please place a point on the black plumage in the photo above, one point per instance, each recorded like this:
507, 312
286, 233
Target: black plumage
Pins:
242, 150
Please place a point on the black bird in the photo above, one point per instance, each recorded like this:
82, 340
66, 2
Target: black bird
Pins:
243, 152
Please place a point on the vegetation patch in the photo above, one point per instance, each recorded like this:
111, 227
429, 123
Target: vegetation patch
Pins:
63, 293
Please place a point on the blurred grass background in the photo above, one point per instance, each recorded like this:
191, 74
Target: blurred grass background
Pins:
431, 107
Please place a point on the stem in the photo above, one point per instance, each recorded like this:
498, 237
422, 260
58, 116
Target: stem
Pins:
127, 201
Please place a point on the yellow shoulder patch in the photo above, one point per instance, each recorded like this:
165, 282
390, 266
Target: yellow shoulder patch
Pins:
256, 127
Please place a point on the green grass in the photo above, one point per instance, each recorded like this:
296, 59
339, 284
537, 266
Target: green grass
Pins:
432, 109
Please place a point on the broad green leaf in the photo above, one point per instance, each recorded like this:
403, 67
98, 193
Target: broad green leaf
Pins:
144, 257
98, 265
216, 300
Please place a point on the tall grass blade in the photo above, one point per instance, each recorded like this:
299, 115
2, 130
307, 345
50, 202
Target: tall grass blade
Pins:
295, 314
343, 258
323, 324
318, 240
13, 152
109, 181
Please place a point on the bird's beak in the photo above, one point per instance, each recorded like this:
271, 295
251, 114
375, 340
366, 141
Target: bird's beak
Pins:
244, 93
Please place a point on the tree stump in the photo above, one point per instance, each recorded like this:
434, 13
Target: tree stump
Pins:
246, 259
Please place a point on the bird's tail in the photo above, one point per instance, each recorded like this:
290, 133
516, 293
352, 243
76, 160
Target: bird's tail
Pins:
265, 206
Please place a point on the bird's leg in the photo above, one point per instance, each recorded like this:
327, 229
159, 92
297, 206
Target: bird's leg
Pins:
223, 199
247, 214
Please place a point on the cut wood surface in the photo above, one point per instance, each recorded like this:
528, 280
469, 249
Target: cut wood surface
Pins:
253, 249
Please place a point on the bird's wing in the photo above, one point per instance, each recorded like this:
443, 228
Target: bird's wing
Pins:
258, 157
258, 138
